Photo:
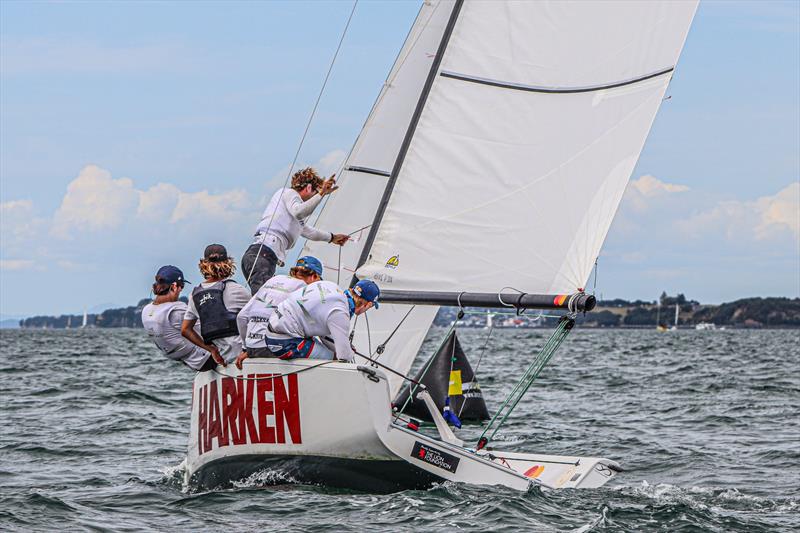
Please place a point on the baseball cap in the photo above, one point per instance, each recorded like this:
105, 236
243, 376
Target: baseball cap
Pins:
368, 290
170, 274
216, 253
311, 263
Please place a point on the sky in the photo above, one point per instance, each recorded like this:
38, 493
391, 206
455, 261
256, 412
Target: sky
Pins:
134, 133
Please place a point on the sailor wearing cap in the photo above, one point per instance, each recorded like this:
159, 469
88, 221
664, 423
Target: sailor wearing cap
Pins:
283, 222
163, 318
300, 324
216, 302
254, 316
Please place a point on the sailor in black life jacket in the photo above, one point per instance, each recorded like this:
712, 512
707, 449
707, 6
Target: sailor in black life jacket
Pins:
163, 319
216, 302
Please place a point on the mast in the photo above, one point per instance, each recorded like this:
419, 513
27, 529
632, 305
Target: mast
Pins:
412, 126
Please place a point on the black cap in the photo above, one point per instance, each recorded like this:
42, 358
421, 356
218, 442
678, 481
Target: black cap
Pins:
216, 253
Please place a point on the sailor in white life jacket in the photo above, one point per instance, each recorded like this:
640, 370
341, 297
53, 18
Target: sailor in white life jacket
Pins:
254, 317
283, 222
163, 317
216, 302
300, 324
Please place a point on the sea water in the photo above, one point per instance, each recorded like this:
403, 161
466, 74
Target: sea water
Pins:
705, 424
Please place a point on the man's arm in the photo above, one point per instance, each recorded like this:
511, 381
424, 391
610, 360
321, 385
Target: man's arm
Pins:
243, 317
188, 332
300, 209
339, 325
313, 234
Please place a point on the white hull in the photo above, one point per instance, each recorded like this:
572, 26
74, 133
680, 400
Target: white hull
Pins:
332, 424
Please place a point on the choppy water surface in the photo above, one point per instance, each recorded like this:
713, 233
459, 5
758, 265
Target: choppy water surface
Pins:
705, 424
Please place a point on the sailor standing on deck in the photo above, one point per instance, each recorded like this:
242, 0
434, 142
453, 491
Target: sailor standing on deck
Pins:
283, 222
163, 318
299, 326
254, 317
216, 303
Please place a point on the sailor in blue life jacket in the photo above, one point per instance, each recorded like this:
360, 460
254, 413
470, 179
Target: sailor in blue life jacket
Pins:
283, 222
162, 319
300, 324
216, 302
254, 317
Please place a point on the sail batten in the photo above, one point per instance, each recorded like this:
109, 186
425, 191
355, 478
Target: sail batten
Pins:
554, 90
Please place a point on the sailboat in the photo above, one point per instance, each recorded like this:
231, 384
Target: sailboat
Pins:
486, 175
659, 326
677, 312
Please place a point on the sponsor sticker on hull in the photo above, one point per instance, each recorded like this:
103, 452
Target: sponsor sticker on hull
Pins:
434, 456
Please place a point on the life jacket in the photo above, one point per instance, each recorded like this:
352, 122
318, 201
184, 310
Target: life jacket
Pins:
216, 321
168, 339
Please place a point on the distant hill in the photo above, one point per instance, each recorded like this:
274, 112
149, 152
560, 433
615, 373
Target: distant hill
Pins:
744, 313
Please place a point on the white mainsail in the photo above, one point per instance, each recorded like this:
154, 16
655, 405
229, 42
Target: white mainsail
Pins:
508, 165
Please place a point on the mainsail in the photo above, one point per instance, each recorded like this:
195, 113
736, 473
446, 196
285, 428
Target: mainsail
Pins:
498, 151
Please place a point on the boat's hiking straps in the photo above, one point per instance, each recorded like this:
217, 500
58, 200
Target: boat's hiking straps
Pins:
564, 326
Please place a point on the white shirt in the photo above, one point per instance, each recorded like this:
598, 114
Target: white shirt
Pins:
252, 319
317, 310
284, 221
235, 297
163, 324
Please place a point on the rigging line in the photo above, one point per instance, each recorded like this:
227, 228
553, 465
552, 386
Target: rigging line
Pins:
369, 334
382, 346
305, 132
390, 369
477, 366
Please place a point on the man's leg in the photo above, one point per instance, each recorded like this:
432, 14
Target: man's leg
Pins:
258, 265
320, 351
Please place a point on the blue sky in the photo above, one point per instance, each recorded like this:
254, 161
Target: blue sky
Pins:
123, 125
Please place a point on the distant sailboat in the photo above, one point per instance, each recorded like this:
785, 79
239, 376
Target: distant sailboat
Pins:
659, 325
85, 320
677, 311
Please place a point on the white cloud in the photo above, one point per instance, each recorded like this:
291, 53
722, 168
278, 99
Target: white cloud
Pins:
94, 202
641, 192
97, 203
765, 218
16, 264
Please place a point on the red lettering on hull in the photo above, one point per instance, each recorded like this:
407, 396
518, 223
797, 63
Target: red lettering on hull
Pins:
258, 409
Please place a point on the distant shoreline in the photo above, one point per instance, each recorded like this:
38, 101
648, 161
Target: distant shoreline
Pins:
746, 313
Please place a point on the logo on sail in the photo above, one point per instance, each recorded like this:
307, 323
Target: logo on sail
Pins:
393, 262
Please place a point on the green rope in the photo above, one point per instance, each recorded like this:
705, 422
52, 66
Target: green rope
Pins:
532, 372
